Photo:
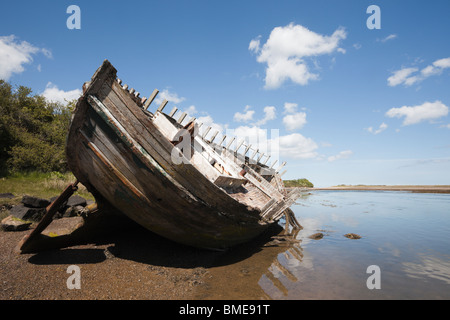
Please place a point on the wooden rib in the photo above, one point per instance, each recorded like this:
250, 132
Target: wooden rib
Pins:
206, 132
214, 136
183, 115
223, 139
273, 164
151, 98
229, 143
172, 113
260, 157
266, 160
246, 149
162, 105
240, 145
281, 166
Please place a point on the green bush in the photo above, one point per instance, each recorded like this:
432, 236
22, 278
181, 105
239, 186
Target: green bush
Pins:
298, 183
32, 131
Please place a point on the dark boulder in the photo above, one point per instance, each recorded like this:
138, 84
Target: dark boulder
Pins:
35, 202
25, 213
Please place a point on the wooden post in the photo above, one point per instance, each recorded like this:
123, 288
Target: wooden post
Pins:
162, 106
183, 115
206, 132
246, 149
273, 164
281, 166
172, 113
150, 99
240, 144
223, 139
229, 143
260, 157
213, 137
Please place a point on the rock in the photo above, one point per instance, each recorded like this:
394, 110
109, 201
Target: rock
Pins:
76, 200
352, 236
316, 236
13, 224
73, 211
35, 202
25, 213
7, 195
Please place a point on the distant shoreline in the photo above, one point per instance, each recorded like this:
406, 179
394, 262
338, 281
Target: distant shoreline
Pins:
410, 188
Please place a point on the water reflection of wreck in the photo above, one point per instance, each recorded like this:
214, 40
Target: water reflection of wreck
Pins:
292, 251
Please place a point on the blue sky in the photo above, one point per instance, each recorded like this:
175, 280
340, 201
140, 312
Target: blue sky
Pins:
352, 105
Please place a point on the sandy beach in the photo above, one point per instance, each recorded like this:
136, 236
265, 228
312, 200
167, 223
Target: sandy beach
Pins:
131, 263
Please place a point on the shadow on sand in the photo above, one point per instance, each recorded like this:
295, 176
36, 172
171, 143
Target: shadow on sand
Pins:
129, 241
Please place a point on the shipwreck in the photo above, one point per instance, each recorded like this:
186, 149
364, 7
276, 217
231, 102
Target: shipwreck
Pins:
166, 176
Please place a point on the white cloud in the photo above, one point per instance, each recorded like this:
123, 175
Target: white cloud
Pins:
405, 75
389, 37
341, 155
269, 114
254, 45
416, 114
286, 49
400, 76
53, 94
297, 146
15, 54
290, 107
169, 96
380, 129
244, 117
442, 63
445, 126
294, 121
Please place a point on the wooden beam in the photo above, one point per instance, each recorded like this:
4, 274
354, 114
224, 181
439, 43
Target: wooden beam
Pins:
151, 98
260, 157
172, 113
273, 164
246, 149
213, 137
281, 166
162, 106
183, 115
240, 144
229, 143
266, 160
223, 139
206, 132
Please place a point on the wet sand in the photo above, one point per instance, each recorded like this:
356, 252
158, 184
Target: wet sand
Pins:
131, 263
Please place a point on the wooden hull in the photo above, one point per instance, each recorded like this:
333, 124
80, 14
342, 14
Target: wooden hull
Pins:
116, 150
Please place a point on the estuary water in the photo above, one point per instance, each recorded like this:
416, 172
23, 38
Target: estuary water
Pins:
403, 252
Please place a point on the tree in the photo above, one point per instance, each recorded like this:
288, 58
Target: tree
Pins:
32, 131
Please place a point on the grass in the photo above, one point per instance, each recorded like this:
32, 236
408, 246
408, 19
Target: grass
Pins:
43, 185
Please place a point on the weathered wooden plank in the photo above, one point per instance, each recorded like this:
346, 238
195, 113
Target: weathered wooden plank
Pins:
151, 98
162, 106
172, 113
160, 148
